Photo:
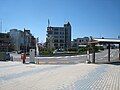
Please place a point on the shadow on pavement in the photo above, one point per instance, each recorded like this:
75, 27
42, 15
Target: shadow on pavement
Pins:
112, 62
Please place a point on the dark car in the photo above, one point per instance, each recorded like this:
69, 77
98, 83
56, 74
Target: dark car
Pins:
7, 57
4, 56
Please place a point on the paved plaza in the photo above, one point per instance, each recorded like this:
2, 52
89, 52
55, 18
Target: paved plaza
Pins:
18, 76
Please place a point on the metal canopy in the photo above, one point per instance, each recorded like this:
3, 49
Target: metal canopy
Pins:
104, 41
109, 41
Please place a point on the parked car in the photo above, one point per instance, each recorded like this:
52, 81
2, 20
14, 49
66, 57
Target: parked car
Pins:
7, 57
4, 56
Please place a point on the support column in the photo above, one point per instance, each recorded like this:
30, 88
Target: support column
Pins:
93, 54
108, 52
119, 51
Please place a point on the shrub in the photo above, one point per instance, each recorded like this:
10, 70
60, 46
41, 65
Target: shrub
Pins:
72, 49
82, 50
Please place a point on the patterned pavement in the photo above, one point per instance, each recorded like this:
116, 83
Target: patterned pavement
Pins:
18, 76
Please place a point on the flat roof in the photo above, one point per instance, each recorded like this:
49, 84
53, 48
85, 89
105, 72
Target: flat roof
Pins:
112, 41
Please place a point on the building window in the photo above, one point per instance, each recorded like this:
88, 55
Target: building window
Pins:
56, 45
55, 32
56, 29
61, 36
55, 40
61, 44
61, 41
49, 32
61, 32
55, 36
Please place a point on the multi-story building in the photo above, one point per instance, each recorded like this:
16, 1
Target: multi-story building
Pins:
59, 37
5, 44
22, 40
80, 41
17, 38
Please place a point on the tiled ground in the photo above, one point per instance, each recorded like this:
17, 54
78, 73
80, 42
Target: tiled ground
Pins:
18, 76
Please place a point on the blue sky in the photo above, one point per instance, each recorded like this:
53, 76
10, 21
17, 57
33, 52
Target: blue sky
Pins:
97, 18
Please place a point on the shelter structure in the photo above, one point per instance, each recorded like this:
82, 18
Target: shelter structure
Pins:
93, 42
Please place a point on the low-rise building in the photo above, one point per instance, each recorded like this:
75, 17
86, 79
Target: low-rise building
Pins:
80, 41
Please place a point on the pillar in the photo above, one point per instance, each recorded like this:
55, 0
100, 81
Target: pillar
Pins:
93, 53
108, 52
119, 51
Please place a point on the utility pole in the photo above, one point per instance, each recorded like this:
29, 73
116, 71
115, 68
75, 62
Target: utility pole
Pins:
1, 25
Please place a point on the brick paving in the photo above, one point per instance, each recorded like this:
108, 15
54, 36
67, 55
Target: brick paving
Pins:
18, 76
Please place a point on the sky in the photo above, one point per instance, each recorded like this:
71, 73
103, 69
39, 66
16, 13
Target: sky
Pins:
97, 18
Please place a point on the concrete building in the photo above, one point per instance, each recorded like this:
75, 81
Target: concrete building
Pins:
17, 38
22, 40
5, 45
59, 37
80, 41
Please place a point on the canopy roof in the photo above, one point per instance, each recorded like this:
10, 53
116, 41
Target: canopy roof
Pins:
111, 41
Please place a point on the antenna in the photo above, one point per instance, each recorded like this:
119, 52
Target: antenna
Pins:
48, 23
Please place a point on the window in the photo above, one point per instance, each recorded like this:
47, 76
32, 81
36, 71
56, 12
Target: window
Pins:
61, 32
55, 32
61, 36
61, 44
49, 32
62, 41
56, 29
55, 40
55, 36
55, 44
